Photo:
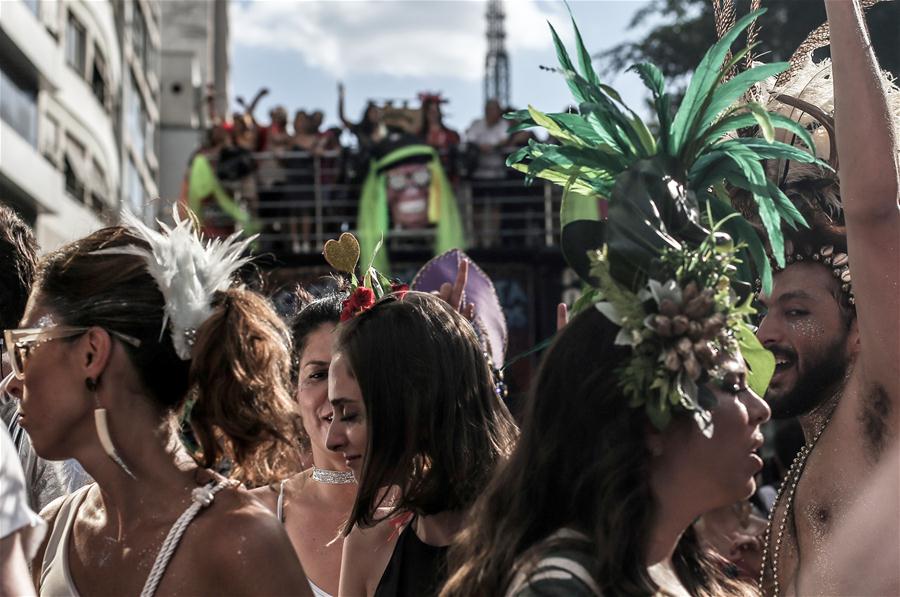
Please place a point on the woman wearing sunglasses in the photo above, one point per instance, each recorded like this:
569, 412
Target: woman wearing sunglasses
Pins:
126, 331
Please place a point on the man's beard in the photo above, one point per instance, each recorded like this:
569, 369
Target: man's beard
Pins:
814, 386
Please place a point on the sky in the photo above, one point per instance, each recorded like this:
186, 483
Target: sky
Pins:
380, 49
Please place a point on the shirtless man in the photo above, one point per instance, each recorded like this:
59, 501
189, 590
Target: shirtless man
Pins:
838, 367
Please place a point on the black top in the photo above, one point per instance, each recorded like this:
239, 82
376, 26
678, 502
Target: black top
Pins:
416, 569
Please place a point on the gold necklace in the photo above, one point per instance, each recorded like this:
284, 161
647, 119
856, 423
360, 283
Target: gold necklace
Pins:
791, 480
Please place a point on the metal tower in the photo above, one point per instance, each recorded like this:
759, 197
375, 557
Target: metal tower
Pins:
496, 63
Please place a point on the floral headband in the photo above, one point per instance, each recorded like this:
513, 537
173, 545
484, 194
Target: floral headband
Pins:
343, 256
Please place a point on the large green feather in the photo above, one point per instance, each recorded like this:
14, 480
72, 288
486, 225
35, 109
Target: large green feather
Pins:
696, 147
707, 74
786, 208
580, 186
730, 92
654, 81
740, 228
568, 68
584, 57
739, 118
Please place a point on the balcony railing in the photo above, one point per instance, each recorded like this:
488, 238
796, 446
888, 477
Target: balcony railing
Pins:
299, 201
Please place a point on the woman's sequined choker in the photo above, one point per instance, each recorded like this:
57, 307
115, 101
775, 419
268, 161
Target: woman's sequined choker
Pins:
333, 477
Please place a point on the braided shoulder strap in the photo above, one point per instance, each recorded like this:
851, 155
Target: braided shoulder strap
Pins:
201, 498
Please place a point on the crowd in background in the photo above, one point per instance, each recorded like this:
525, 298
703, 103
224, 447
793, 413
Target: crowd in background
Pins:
231, 136
275, 171
201, 442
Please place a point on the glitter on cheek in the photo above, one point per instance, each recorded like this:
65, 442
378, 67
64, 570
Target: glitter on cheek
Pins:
808, 328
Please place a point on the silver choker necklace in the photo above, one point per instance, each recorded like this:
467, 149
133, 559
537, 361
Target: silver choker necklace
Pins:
332, 477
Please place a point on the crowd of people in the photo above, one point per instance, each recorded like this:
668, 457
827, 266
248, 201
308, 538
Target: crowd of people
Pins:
181, 436
267, 176
380, 127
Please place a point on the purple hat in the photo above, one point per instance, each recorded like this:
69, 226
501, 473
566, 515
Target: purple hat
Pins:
489, 321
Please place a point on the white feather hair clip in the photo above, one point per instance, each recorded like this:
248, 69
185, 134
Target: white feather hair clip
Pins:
188, 270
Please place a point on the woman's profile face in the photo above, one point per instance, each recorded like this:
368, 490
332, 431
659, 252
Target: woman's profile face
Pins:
312, 384
719, 470
51, 397
348, 433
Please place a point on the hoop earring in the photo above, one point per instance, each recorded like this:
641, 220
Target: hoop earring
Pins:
101, 422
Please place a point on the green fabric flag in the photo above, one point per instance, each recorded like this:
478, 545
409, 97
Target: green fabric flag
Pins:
203, 183
372, 221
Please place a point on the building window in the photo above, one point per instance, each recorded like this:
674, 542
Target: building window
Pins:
32, 6
74, 186
98, 77
139, 36
97, 205
18, 106
76, 44
73, 168
98, 180
149, 135
135, 188
49, 142
136, 117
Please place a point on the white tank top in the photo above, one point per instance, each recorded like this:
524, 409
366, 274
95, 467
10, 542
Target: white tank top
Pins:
56, 578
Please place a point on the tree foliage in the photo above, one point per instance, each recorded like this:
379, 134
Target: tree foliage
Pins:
678, 33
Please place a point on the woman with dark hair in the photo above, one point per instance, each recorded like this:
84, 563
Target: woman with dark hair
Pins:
591, 481
418, 421
126, 332
646, 411
369, 130
435, 133
314, 504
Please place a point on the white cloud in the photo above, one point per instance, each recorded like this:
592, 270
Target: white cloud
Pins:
417, 38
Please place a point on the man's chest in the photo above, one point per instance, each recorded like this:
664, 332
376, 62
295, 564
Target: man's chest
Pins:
812, 502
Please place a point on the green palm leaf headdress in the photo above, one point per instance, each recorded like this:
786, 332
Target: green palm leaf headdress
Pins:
672, 262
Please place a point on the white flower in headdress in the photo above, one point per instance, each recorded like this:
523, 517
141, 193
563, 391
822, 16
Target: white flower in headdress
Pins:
661, 291
188, 270
628, 335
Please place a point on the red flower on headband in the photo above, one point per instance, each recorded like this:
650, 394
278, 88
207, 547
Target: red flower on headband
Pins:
399, 289
359, 300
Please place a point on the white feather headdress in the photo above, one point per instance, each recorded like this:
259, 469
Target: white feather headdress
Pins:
188, 270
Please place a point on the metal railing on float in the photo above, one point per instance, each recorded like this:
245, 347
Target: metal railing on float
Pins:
299, 200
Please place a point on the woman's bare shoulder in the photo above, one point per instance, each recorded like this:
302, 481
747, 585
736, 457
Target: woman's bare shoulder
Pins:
267, 495
382, 533
236, 510
242, 537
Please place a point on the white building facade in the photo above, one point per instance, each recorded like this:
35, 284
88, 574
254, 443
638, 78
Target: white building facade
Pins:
195, 63
80, 112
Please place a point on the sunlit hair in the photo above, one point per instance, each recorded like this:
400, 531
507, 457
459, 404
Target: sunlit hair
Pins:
18, 256
581, 462
436, 428
238, 380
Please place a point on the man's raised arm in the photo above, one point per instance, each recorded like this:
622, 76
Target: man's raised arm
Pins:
868, 171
